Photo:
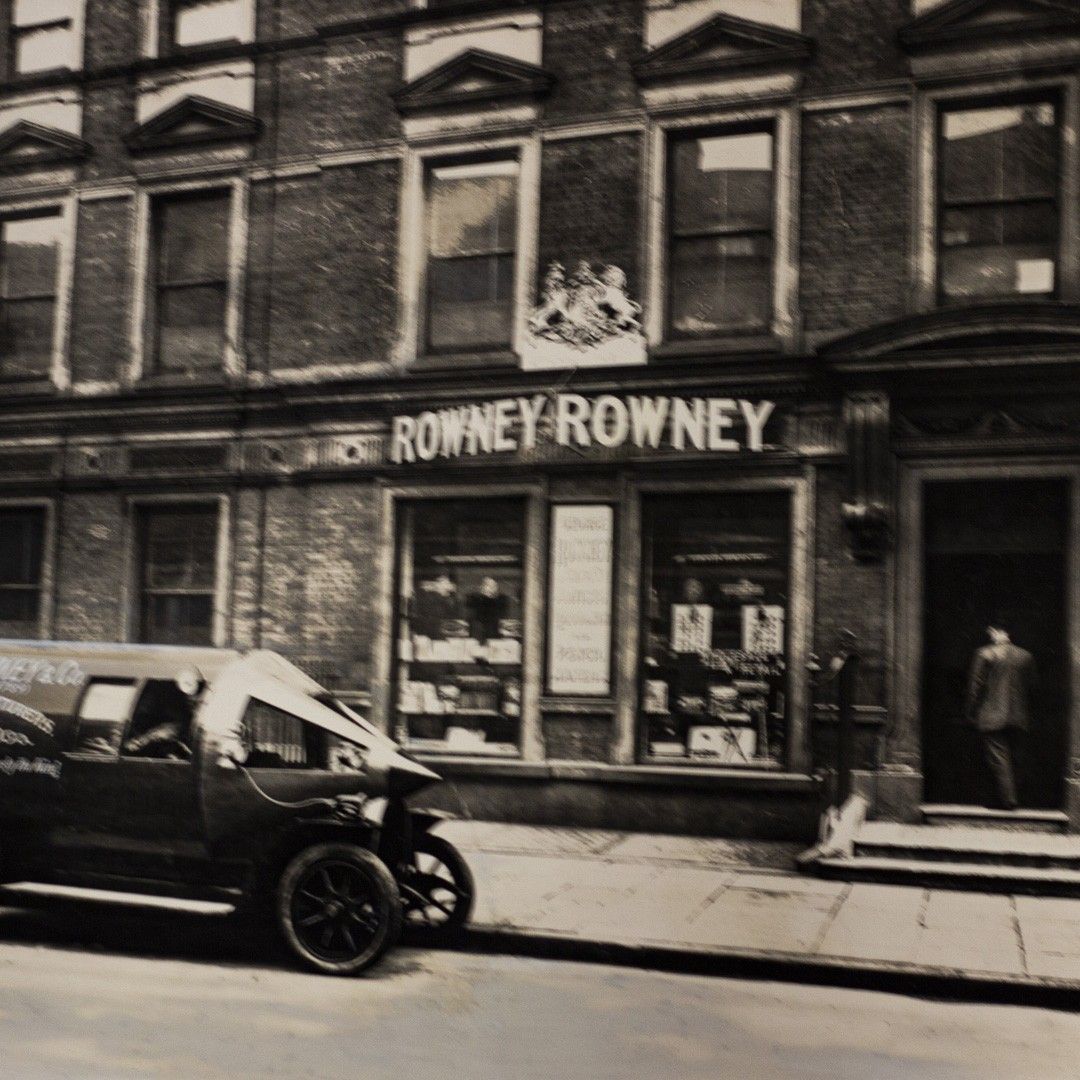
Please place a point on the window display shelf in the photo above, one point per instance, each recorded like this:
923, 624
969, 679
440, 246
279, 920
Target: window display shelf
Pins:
471, 664
441, 746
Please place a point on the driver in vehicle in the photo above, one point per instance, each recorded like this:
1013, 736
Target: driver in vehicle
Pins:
163, 741
161, 727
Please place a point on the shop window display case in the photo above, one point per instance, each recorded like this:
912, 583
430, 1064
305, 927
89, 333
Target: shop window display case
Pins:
459, 622
715, 635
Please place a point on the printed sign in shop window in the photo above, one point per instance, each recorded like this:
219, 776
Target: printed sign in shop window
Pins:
580, 600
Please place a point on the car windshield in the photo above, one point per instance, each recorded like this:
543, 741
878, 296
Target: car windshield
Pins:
276, 665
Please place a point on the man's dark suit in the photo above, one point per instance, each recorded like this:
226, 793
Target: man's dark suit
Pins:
999, 702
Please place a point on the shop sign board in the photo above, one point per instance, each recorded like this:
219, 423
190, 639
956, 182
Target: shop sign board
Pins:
607, 421
580, 606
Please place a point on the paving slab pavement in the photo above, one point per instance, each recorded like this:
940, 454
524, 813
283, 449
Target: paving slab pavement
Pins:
703, 903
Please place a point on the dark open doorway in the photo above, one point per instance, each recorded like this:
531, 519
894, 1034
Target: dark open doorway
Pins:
994, 546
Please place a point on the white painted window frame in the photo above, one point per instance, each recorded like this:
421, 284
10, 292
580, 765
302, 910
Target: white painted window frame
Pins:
233, 361
131, 584
784, 120
151, 24
67, 205
929, 104
47, 585
413, 235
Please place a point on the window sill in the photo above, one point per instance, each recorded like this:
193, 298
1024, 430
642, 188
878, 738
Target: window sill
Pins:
32, 80
706, 348
465, 361
15, 386
165, 381
182, 55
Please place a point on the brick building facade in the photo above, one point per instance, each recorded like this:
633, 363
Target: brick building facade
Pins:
557, 380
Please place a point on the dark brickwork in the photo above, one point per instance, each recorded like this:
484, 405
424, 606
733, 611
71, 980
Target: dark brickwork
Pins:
108, 114
358, 301
577, 738
102, 290
856, 203
590, 203
359, 74
855, 42
90, 567
852, 595
295, 324
323, 267
113, 32
589, 49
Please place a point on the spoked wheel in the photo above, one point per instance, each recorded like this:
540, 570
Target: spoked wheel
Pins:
338, 908
437, 890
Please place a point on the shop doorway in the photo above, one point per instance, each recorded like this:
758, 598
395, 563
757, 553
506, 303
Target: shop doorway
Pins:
994, 546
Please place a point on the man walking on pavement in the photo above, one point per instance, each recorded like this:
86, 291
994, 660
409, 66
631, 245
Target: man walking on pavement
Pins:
999, 700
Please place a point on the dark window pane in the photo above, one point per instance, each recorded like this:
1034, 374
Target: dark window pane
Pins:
472, 208
26, 337
179, 548
1027, 223
22, 537
28, 260
178, 620
191, 326
471, 301
19, 606
720, 283
722, 181
998, 270
193, 238
1006, 152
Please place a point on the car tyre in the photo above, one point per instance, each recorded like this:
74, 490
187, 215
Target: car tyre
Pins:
338, 908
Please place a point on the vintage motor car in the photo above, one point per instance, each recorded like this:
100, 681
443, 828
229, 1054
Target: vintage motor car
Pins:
212, 774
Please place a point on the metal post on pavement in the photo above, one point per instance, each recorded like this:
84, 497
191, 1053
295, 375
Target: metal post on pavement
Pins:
845, 746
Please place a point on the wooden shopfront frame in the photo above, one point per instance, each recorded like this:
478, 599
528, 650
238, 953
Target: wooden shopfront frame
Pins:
630, 745
624, 702
533, 601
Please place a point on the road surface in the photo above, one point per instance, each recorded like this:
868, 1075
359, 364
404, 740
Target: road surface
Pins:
86, 992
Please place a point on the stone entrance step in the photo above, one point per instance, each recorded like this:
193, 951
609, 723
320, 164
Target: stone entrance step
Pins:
967, 844
981, 817
970, 877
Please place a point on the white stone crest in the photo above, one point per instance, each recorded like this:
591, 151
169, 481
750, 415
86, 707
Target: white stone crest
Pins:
584, 320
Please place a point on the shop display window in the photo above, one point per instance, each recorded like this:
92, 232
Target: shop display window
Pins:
459, 622
715, 635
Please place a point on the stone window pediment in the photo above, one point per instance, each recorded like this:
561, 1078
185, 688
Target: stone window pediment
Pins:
27, 145
723, 43
473, 77
193, 120
964, 20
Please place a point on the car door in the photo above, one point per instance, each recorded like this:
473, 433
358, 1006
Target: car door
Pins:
85, 840
155, 807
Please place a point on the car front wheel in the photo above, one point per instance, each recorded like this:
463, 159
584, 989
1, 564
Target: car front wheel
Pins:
437, 889
338, 908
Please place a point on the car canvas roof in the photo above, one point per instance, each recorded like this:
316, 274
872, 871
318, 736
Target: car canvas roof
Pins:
115, 659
